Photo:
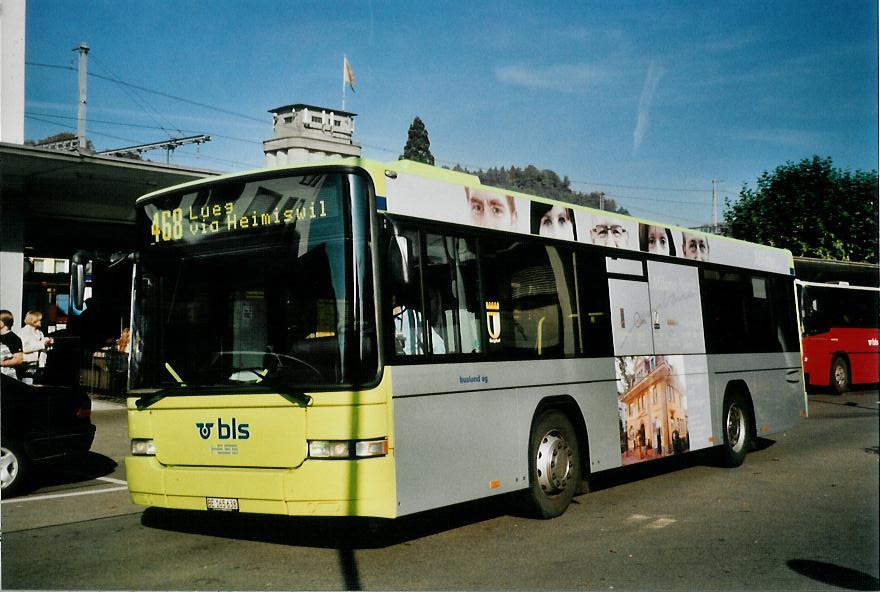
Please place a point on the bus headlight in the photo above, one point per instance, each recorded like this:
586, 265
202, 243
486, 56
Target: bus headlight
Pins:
143, 447
347, 448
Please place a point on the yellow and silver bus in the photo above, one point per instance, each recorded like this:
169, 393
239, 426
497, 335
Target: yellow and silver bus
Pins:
356, 338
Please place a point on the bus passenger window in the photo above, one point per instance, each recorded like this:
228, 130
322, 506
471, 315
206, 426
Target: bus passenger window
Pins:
404, 291
451, 296
530, 300
592, 287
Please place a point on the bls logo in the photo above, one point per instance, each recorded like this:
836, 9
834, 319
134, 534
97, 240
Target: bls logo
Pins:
225, 431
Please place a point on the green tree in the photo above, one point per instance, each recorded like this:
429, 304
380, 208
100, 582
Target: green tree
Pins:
418, 146
812, 209
545, 183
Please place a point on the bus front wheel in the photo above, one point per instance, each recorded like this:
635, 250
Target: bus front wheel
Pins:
737, 430
840, 380
554, 465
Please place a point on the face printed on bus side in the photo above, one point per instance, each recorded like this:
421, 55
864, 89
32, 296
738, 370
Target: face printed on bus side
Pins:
491, 210
557, 223
695, 247
658, 241
609, 233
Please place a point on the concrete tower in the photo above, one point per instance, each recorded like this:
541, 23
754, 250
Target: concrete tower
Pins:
305, 133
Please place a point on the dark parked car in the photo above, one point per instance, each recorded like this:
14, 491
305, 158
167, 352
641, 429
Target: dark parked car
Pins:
39, 423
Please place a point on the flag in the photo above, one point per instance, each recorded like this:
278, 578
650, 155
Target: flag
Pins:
347, 73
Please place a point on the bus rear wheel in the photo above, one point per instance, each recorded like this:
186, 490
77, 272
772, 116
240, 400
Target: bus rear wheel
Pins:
737, 430
840, 380
554, 465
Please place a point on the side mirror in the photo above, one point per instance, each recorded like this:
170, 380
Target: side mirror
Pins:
399, 257
77, 281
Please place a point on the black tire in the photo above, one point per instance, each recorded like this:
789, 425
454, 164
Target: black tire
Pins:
737, 430
15, 468
554, 465
840, 377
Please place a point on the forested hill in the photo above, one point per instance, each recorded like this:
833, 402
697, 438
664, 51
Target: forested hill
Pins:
545, 183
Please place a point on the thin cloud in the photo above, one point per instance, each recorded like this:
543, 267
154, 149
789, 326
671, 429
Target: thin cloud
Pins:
559, 77
645, 102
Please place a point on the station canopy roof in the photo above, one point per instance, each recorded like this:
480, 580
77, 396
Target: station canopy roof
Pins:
68, 199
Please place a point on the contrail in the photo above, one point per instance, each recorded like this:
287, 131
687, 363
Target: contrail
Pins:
651, 80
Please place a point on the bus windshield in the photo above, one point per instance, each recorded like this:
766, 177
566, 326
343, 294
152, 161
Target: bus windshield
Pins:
252, 283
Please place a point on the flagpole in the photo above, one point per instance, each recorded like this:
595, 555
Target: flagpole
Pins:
344, 58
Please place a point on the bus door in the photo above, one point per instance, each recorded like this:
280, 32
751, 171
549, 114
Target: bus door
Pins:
680, 344
660, 358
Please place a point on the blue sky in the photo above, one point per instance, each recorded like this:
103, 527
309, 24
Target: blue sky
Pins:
646, 101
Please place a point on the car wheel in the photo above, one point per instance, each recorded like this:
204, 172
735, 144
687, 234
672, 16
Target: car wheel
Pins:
14, 469
737, 427
554, 465
840, 380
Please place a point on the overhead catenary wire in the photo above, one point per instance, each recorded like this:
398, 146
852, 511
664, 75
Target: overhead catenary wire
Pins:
388, 150
144, 104
588, 183
35, 115
154, 92
177, 152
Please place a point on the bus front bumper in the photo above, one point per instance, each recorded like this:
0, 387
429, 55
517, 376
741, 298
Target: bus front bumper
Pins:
363, 487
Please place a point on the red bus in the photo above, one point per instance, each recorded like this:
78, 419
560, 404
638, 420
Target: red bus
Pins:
841, 343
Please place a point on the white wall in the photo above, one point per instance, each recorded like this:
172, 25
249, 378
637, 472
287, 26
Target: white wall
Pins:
12, 44
12, 18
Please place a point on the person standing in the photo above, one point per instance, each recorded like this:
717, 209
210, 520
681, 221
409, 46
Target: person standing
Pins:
11, 357
34, 344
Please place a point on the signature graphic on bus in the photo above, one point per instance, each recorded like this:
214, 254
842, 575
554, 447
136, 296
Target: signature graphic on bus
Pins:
225, 431
473, 379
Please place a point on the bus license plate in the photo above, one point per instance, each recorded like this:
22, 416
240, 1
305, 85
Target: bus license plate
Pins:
224, 504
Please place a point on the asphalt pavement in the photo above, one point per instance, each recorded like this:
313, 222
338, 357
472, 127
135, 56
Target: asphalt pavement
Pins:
800, 514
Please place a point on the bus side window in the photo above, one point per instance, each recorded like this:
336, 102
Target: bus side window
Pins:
594, 307
784, 314
404, 292
530, 300
747, 313
451, 294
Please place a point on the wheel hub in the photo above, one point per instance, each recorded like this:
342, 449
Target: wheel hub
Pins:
736, 428
553, 463
8, 467
840, 374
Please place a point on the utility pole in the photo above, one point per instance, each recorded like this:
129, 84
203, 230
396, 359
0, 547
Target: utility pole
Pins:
714, 214
602, 200
83, 50
715, 206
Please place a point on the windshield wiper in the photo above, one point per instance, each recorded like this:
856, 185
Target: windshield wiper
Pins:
270, 379
289, 394
153, 398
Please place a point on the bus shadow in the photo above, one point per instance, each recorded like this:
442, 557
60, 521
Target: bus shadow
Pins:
352, 533
646, 470
343, 533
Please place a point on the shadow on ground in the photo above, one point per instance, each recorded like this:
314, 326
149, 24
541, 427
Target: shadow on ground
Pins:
326, 532
370, 533
834, 575
75, 468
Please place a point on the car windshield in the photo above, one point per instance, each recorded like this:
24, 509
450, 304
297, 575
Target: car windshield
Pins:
254, 282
